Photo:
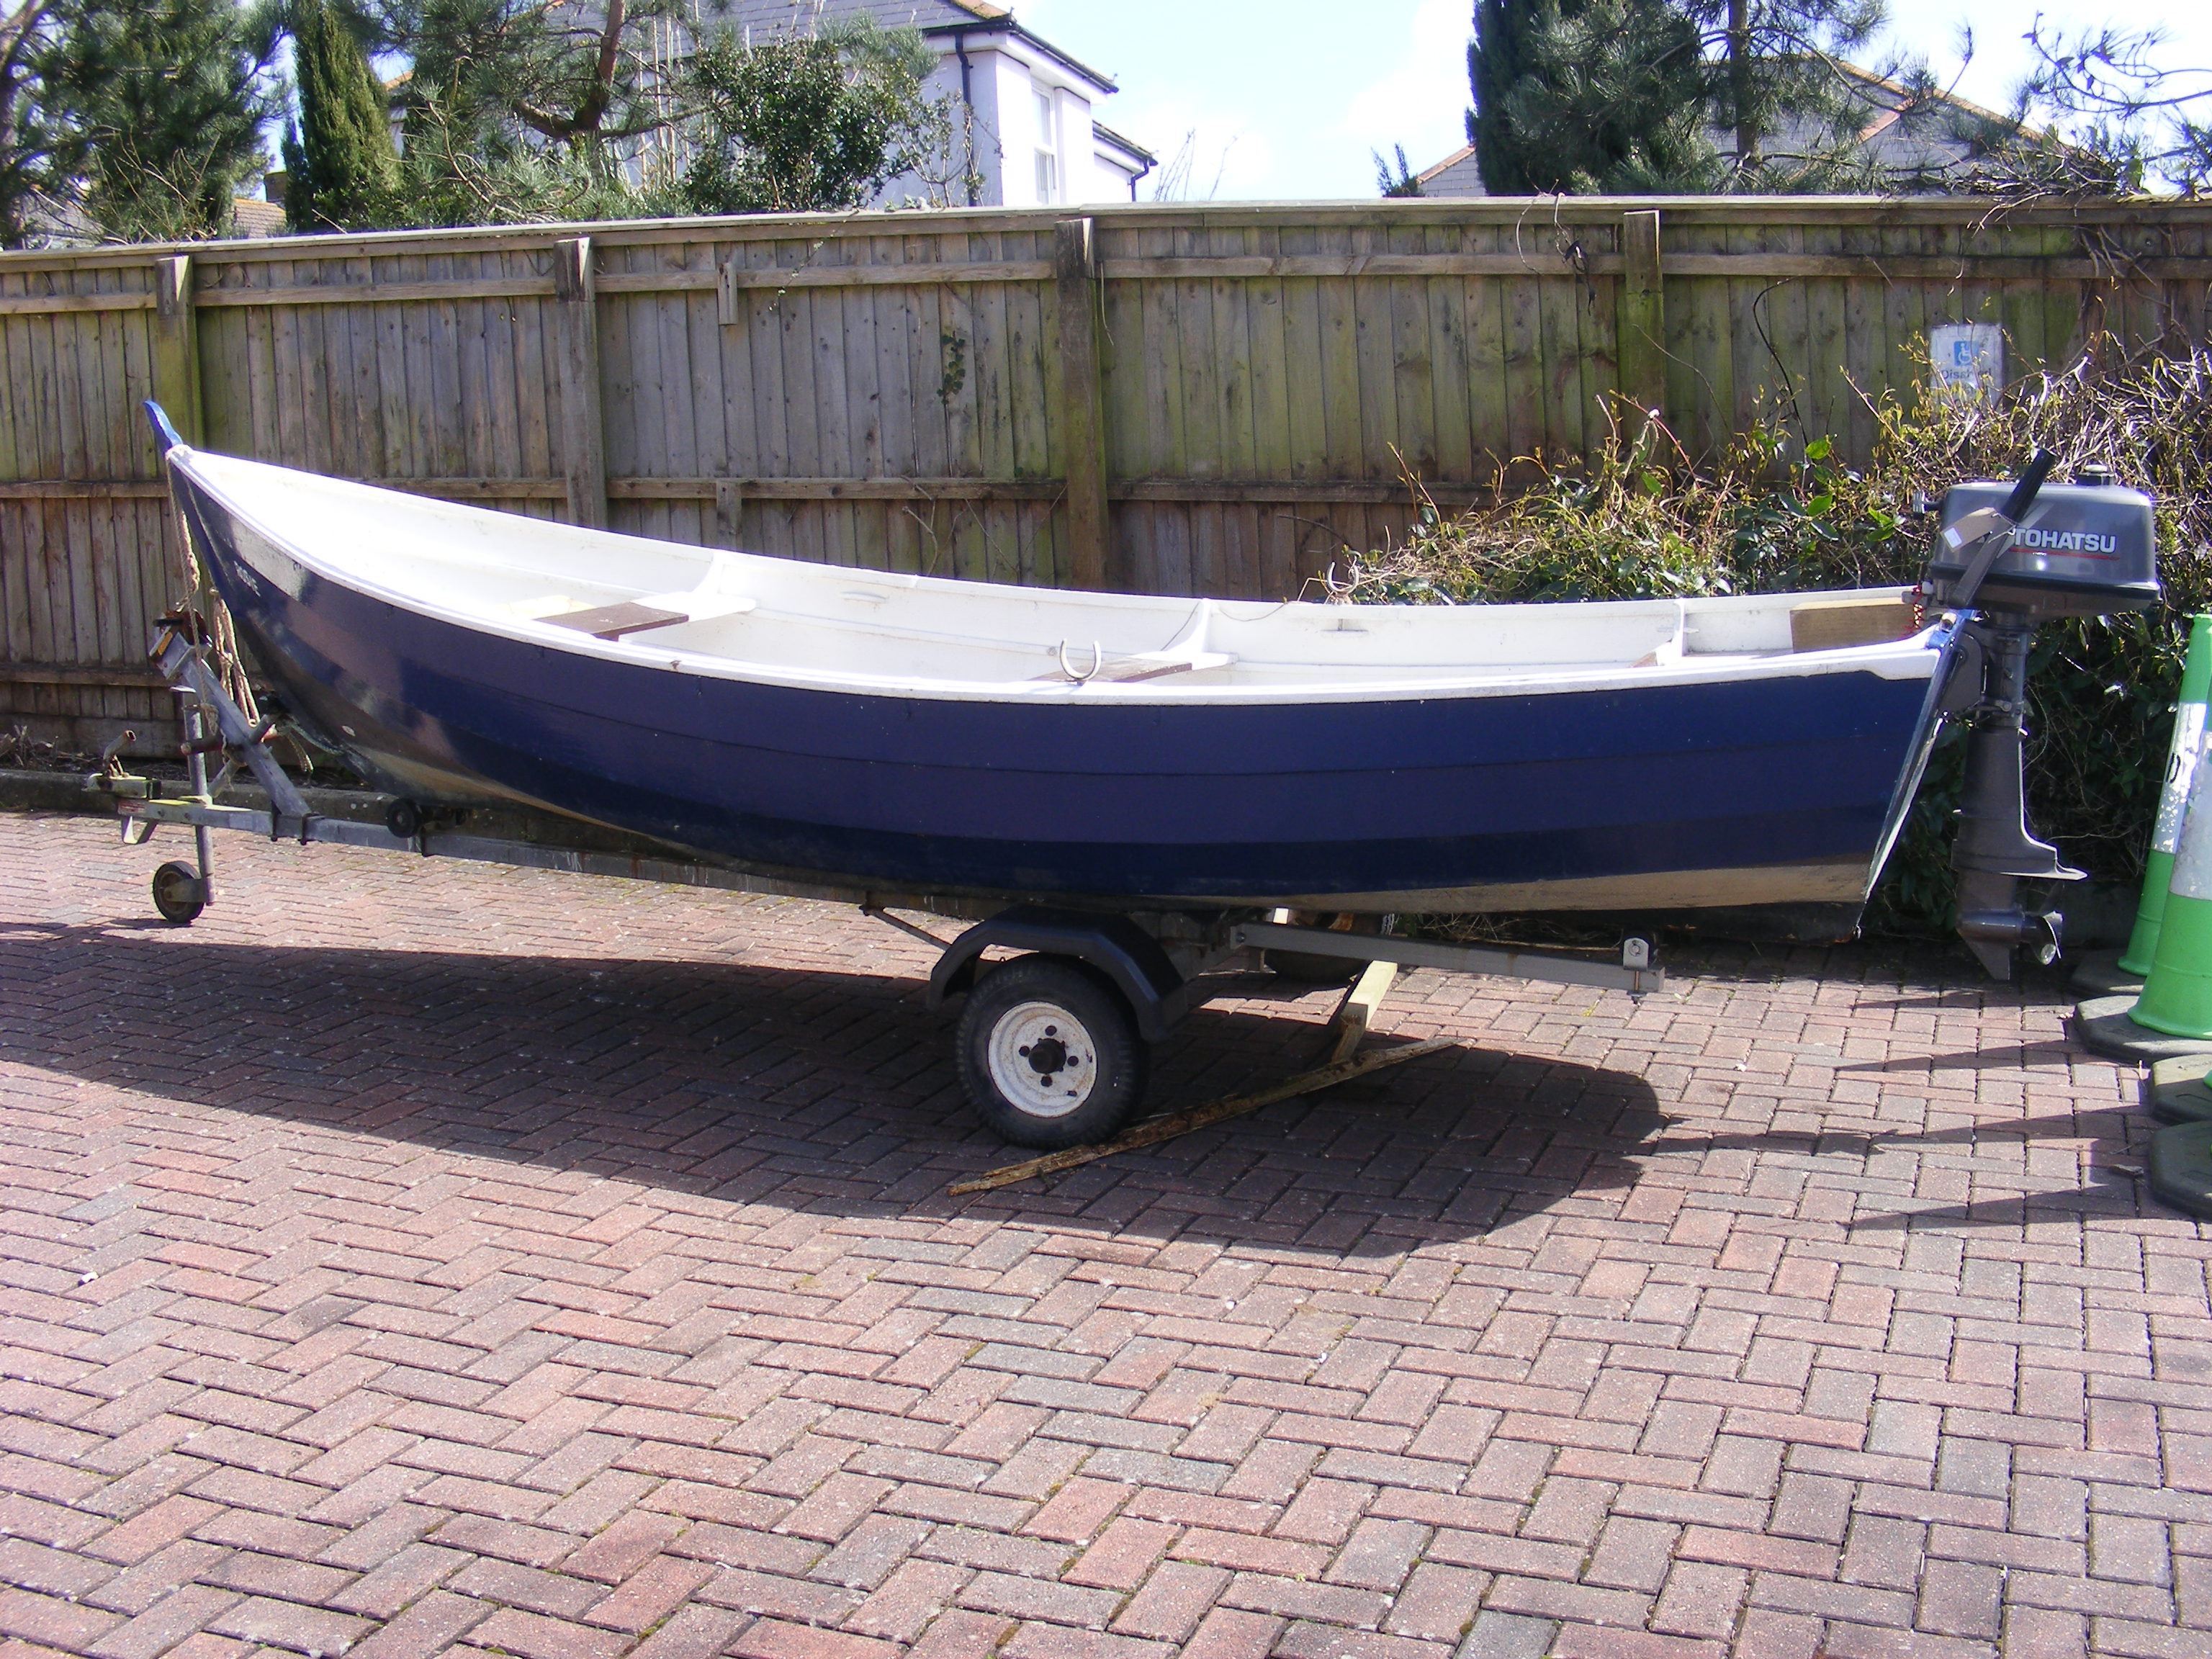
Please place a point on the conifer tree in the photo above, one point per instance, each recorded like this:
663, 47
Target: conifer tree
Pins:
1779, 88
521, 112
38, 151
342, 168
1637, 95
1506, 53
168, 98
1400, 182
1588, 95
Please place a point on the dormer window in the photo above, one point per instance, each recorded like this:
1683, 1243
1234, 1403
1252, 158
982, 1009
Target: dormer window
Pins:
1048, 150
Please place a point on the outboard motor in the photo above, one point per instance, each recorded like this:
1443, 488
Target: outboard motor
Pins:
2011, 556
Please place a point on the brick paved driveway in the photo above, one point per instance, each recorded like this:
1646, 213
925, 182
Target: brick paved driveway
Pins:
417, 1256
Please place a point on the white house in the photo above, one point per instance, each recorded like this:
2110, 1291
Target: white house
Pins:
1031, 109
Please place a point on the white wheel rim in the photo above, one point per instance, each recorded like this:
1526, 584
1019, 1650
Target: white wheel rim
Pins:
1031, 1036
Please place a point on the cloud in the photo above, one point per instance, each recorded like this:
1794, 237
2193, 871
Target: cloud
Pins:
1231, 145
1294, 94
1421, 102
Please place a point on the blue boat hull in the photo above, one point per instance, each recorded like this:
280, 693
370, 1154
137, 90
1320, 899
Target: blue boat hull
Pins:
1772, 792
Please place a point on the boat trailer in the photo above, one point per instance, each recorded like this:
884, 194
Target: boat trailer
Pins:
1054, 1039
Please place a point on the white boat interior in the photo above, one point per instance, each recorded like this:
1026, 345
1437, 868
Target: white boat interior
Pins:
751, 617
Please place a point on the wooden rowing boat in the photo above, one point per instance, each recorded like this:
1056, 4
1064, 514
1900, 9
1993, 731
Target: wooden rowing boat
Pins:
896, 728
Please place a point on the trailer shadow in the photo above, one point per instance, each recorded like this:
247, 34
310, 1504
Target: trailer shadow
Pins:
819, 1090
1886, 973
2008, 1057
833, 1090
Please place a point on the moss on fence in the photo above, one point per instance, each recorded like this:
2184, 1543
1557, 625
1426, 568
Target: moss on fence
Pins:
1777, 516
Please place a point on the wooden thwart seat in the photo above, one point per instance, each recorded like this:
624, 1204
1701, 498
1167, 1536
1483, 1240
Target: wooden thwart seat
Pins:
611, 621
706, 603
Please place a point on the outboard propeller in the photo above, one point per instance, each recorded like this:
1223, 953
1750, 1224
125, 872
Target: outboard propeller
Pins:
2008, 558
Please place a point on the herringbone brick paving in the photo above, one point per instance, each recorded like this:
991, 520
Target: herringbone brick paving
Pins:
417, 1258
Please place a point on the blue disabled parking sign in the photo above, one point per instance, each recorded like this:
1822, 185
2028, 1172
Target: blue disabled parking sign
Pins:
1967, 359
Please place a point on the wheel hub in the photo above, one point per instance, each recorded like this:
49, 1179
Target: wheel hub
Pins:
1043, 1059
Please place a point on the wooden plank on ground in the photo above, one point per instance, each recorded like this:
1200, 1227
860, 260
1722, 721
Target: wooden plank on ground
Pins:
1355, 1015
1201, 1117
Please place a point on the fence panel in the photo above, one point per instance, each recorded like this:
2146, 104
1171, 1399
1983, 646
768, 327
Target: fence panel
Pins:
1187, 399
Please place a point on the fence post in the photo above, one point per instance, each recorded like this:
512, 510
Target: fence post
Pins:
583, 432
1641, 315
1082, 421
729, 512
177, 348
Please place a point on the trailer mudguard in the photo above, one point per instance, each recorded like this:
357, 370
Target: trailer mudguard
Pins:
1114, 944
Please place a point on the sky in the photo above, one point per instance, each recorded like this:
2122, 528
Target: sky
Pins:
1289, 99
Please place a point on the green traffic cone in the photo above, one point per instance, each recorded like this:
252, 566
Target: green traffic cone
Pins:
2180, 770
2176, 997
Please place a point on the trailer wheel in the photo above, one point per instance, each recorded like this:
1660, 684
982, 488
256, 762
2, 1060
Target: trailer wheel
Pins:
1049, 1052
179, 893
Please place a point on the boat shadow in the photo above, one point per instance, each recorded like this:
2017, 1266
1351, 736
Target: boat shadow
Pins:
816, 1089
2003, 1057
1890, 975
2115, 1137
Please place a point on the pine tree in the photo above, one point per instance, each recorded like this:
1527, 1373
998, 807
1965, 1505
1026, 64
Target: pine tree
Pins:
1628, 96
1506, 53
522, 111
342, 168
38, 152
168, 98
1403, 181
1779, 89
1588, 95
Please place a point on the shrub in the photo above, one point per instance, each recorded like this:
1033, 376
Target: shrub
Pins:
1638, 521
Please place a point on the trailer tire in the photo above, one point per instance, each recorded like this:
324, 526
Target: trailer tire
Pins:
179, 893
1049, 1052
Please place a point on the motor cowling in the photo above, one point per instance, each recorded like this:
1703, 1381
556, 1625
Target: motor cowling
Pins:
2088, 548
2008, 558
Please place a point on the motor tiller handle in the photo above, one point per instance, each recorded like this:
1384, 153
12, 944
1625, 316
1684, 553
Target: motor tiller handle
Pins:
2024, 493
1993, 531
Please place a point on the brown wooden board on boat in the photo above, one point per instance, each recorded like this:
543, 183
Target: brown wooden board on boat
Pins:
1832, 624
611, 621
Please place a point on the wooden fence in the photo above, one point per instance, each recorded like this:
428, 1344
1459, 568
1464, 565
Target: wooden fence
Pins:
1212, 399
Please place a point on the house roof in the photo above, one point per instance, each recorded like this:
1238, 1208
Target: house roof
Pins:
251, 216
1128, 147
1892, 140
1456, 170
946, 20
986, 19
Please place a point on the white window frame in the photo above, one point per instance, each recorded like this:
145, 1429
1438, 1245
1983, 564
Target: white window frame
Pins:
1050, 169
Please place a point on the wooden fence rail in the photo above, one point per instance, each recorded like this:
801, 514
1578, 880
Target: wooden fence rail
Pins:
1172, 398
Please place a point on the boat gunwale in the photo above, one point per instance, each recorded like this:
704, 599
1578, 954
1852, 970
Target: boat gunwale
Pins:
1913, 657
